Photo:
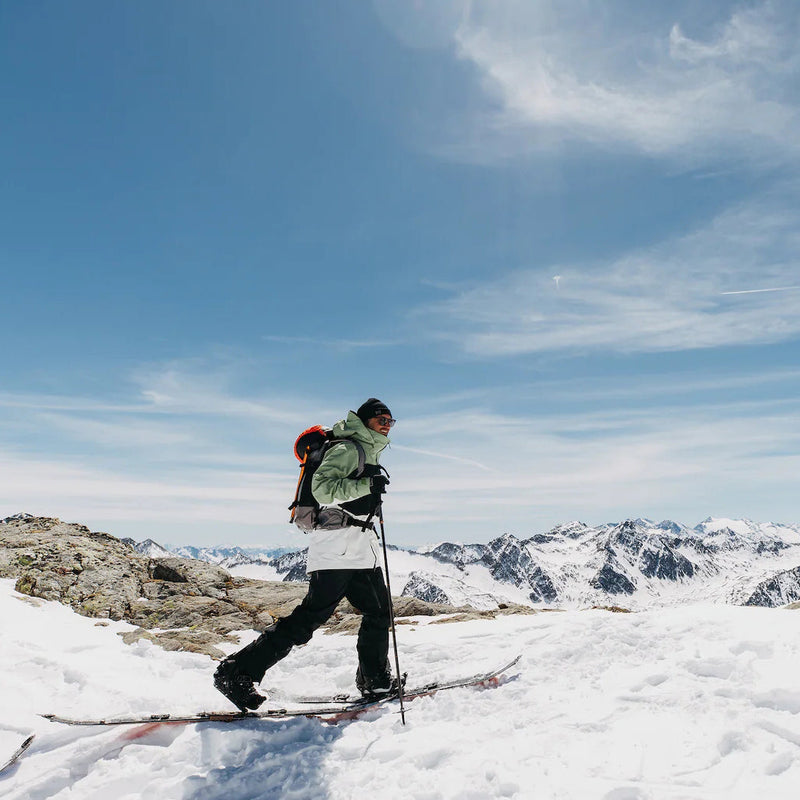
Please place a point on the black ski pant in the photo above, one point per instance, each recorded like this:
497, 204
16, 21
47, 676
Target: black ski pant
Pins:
366, 591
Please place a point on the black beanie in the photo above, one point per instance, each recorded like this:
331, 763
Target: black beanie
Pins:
372, 408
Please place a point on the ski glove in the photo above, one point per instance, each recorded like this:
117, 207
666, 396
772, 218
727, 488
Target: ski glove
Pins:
378, 484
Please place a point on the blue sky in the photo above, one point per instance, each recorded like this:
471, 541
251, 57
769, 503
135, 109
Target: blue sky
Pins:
223, 222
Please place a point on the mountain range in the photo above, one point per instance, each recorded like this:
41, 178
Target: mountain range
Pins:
636, 563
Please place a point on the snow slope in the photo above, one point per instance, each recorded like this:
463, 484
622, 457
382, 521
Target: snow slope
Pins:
688, 703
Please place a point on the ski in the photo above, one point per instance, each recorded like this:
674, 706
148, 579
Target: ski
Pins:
330, 709
203, 716
17, 753
417, 691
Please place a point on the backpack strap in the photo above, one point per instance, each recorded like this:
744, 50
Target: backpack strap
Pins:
367, 525
362, 456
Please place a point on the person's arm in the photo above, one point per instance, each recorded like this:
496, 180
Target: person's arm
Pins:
330, 484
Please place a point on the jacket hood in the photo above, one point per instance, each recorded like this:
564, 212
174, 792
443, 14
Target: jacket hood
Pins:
354, 428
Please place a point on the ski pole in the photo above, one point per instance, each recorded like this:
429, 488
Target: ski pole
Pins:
391, 615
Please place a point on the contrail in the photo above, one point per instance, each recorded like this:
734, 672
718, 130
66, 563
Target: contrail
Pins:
757, 291
441, 455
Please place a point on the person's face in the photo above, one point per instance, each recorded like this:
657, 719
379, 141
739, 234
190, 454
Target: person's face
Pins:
382, 423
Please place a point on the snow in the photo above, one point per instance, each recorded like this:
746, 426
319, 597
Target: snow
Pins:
714, 524
678, 703
746, 528
261, 572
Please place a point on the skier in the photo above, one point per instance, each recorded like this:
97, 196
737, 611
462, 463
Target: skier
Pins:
342, 563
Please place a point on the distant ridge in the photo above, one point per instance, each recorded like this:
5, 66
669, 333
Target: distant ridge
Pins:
637, 563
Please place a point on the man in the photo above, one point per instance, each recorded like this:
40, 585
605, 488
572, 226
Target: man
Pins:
342, 563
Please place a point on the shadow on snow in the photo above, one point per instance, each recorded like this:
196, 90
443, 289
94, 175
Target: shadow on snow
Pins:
261, 761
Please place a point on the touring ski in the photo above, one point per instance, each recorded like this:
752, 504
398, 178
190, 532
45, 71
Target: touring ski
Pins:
202, 716
331, 709
427, 688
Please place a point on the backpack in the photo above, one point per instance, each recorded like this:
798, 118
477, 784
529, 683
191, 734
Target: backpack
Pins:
310, 448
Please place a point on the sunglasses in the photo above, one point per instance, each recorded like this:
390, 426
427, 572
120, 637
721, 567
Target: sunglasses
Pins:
388, 421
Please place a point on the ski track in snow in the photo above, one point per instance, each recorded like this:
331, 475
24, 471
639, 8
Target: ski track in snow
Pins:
682, 703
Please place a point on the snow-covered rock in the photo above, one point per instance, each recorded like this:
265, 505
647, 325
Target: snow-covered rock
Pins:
511, 561
458, 554
447, 590
779, 590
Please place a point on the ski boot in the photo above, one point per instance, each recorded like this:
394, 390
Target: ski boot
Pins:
382, 685
237, 686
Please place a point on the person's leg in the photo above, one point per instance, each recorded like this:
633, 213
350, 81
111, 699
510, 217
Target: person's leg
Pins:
367, 592
236, 675
326, 589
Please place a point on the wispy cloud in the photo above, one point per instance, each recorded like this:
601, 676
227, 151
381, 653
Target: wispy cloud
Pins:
575, 392
468, 473
201, 388
84, 490
184, 445
661, 81
181, 448
51, 402
603, 465
342, 345
664, 298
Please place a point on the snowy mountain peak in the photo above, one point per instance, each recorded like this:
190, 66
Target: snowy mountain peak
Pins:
720, 559
446, 590
717, 524
148, 548
569, 530
457, 554
675, 528
18, 517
